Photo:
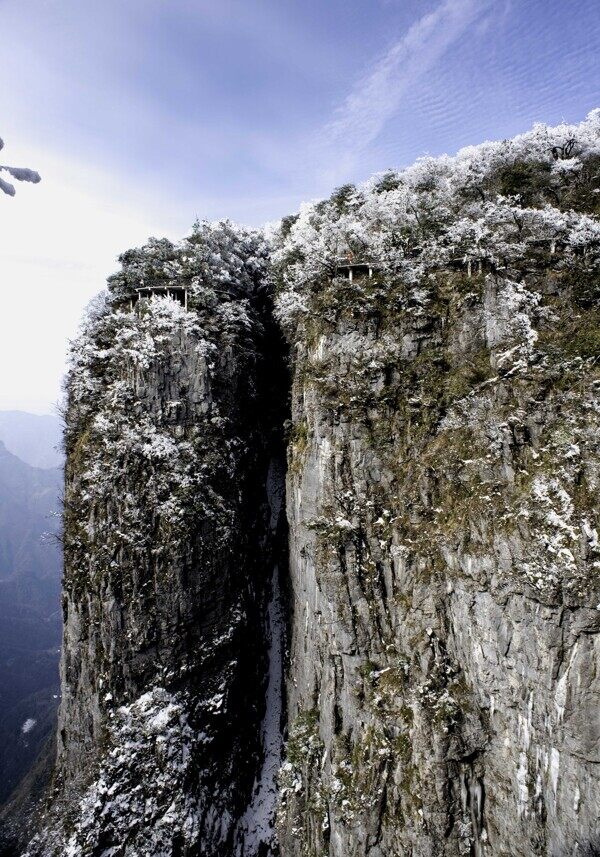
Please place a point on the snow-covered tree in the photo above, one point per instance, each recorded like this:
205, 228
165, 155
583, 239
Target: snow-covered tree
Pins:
496, 207
21, 174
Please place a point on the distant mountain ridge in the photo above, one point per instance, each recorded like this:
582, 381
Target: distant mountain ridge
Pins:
30, 617
34, 438
29, 502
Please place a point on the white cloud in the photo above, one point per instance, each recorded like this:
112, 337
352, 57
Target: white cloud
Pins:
377, 96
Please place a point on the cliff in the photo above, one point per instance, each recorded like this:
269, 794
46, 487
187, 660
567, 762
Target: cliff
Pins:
442, 500
443, 593
170, 519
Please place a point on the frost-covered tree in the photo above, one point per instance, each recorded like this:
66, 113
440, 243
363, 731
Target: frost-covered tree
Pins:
492, 207
21, 174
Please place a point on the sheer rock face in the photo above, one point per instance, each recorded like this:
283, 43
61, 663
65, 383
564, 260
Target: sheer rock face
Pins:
440, 703
443, 477
168, 551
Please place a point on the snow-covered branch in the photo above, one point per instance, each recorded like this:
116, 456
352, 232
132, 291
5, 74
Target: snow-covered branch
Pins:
21, 174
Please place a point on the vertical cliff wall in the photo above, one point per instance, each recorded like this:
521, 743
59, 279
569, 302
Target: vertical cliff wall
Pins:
442, 500
171, 513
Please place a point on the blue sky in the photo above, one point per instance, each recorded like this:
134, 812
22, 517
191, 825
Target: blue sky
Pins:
143, 114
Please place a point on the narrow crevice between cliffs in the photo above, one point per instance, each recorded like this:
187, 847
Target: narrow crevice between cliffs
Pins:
255, 832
